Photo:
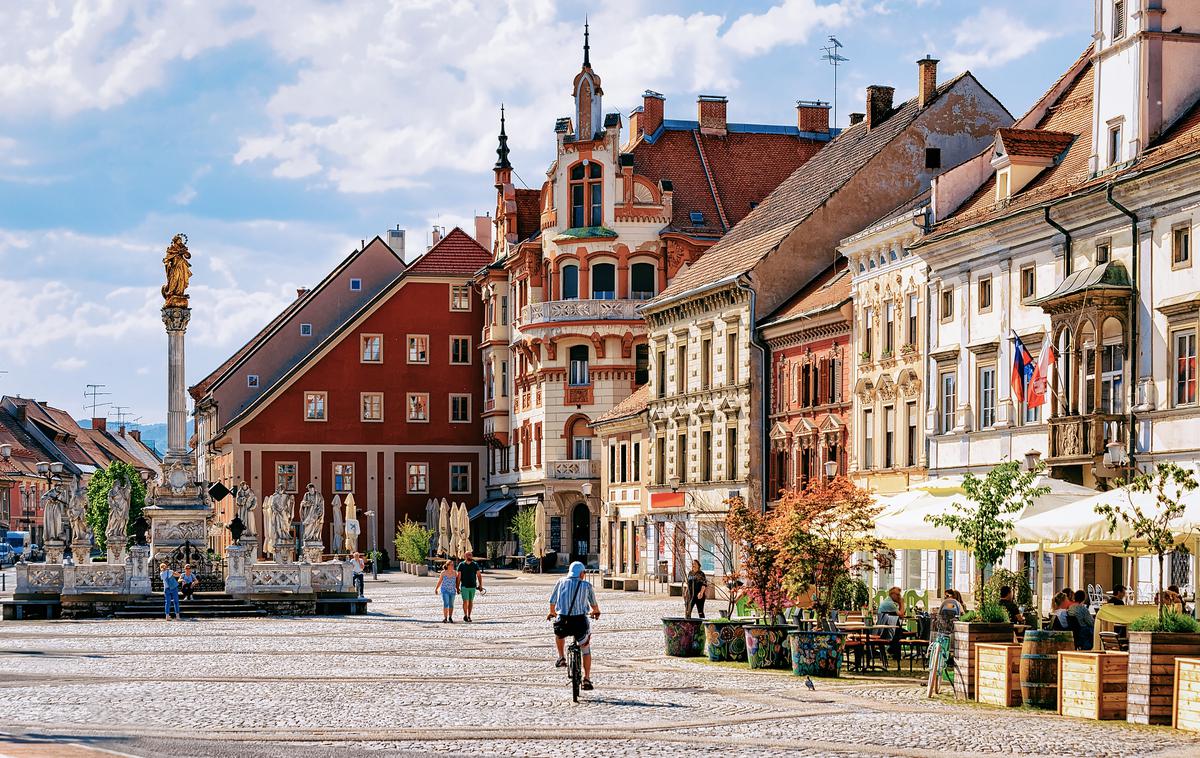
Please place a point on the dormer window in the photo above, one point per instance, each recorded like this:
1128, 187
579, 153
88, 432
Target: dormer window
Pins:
587, 195
306, 330
355, 285
1114, 143
1118, 19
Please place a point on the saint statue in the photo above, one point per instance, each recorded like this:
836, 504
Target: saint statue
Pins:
117, 531
246, 502
179, 271
53, 508
285, 506
77, 514
335, 529
312, 513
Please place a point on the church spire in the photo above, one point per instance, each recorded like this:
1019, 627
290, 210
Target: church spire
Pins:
587, 62
502, 150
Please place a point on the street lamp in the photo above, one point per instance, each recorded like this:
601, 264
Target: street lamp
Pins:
674, 483
504, 490
831, 468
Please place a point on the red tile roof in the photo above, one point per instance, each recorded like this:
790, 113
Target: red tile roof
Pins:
630, 406
456, 254
63, 432
529, 213
826, 291
1035, 143
26, 451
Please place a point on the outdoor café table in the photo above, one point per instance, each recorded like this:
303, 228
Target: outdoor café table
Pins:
865, 630
1111, 616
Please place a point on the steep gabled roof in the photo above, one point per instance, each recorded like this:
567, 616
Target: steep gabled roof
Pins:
26, 451
529, 213
631, 406
799, 196
828, 291
456, 254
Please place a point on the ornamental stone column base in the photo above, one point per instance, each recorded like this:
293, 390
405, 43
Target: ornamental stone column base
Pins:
81, 552
116, 554
249, 543
139, 575
236, 580
285, 551
54, 551
314, 550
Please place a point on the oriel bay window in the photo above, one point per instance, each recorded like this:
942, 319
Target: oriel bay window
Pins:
587, 194
578, 376
1184, 379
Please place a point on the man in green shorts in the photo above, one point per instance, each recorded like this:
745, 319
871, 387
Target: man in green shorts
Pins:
470, 579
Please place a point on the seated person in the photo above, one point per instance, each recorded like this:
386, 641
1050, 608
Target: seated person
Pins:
1069, 594
1118, 595
1059, 621
891, 611
1178, 598
1082, 614
1006, 602
188, 582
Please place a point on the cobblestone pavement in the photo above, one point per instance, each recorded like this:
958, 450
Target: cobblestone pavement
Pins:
398, 682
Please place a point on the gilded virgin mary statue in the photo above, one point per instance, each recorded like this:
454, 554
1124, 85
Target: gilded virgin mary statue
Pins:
179, 271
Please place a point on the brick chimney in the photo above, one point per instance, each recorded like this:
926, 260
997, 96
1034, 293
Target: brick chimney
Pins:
136, 434
711, 113
926, 80
879, 104
483, 231
100, 423
812, 116
437, 235
857, 118
652, 111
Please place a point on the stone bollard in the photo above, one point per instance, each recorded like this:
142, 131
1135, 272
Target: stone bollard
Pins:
139, 576
235, 570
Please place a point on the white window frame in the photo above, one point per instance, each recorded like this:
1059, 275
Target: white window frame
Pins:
457, 290
324, 405
306, 330
356, 285
362, 348
1176, 336
411, 340
408, 407
1186, 231
333, 477
466, 477
422, 474
362, 407
947, 400
295, 476
450, 408
252, 381
467, 338
988, 395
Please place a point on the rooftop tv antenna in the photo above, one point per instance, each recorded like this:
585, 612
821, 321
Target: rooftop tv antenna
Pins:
835, 59
122, 415
92, 396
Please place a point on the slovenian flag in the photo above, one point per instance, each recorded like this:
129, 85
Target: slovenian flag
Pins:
1041, 376
1022, 369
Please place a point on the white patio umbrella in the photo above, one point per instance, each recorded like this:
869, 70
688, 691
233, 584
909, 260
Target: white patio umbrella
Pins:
466, 528
1076, 527
443, 546
539, 541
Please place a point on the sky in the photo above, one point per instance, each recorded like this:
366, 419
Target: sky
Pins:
278, 135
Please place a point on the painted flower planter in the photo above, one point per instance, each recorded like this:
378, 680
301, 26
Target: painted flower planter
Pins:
816, 653
724, 640
683, 637
766, 646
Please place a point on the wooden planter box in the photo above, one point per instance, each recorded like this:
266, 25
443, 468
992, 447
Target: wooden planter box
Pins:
1152, 673
998, 673
966, 636
1186, 714
1092, 685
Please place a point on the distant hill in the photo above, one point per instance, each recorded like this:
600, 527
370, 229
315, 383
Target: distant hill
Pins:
154, 435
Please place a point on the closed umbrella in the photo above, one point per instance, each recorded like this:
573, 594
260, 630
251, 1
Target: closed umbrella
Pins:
466, 528
443, 547
457, 513
539, 542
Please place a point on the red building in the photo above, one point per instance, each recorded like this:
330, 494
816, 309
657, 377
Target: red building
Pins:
385, 405
809, 342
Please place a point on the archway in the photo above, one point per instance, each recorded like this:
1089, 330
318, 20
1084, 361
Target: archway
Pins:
581, 532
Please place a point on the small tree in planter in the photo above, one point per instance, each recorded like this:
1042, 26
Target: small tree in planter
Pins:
524, 528
758, 548
1155, 641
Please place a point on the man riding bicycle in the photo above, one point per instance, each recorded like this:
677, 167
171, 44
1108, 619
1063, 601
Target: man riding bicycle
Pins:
569, 601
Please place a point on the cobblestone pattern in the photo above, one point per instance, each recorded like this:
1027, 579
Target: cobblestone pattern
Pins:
397, 682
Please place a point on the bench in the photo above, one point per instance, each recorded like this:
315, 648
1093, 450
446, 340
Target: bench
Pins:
625, 584
606, 582
342, 606
19, 610
675, 589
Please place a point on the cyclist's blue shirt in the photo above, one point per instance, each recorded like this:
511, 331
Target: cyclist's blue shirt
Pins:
572, 600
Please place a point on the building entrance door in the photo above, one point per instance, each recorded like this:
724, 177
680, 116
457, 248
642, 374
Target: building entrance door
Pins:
580, 533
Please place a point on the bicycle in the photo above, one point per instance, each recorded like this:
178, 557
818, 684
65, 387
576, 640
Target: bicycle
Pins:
575, 668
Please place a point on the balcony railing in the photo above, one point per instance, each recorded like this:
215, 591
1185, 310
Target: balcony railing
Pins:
584, 468
1077, 437
580, 310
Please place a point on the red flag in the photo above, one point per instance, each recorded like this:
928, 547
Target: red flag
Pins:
1041, 376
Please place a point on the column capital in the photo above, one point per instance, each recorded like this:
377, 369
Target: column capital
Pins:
176, 319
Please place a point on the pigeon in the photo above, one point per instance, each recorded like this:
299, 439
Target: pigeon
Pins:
808, 683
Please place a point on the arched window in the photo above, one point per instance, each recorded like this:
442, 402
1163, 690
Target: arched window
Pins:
578, 376
570, 282
581, 440
587, 195
604, 281
641, 281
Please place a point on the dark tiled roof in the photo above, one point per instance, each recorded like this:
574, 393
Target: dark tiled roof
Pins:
630, 406
828, 290
26, 451
456, 254
529, 213
806, 190
1035, 143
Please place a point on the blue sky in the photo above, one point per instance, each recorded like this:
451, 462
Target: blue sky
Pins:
277, 135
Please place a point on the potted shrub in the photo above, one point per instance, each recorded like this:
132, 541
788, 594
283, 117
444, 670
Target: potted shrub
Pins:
1155, 640
753, 531
412, 547
820, 531
983, 524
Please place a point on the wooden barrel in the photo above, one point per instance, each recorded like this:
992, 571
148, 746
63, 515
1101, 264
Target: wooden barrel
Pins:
1039, 666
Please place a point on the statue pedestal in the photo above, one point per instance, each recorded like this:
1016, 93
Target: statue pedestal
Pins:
81, 552
285, 551
139, 574
54, 551
314, 550
116, 553
249, 543
236, 580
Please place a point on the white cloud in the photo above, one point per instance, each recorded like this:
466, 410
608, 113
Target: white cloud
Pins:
188, 193
71, 363
992, 38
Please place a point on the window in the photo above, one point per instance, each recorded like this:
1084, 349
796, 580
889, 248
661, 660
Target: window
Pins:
285, 477
372, 406
570, 282
314, 406
1114, 144
1112, 371
604, 281
503, 378
460, 409
251, 380
460, 350
987, 397
587, 194
1103, 252
418, 348
504, 310
911, 311
1028, 281
661, 371
985, 294
731, 453
1184, 343
355, 285
371, 348
889, 335
418, 477
641, 363
306, 330
1181, 246
578, 376
706, 363
460, 478
343, 477
947, 312
681, 368
641, 281
868, 451
910, 439
681, 457
948, 399
868, 351
418, 406
537, 443
933, 157
460, 297
731, 357
660, 461
889, 437
1118, 19
581, 441
637, 462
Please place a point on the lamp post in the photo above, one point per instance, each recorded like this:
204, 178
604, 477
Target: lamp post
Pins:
831, 468
374, 550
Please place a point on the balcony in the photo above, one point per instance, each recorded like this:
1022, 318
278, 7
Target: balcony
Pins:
1077, 439
584, 468
580, 310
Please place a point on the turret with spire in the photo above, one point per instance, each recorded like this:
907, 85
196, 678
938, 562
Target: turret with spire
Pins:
587, 92
503, 167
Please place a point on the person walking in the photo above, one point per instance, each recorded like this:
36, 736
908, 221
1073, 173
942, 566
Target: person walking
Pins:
697, 590
170, 580
447, 585
188, 582
470, 581
357, 568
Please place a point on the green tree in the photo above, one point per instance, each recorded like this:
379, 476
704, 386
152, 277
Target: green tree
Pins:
1169, 483
413, 541
984, 523
524, 528
97, 495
